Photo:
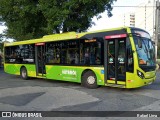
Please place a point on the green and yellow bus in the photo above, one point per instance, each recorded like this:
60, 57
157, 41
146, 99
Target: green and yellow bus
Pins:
121, 57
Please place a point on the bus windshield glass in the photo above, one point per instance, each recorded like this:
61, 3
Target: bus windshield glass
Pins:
146, 53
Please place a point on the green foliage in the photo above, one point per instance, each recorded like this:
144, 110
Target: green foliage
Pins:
158, 49
1, 46
1, 38
23, 19
28, 19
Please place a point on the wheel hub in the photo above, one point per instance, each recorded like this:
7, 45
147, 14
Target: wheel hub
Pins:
91, 80
23, 73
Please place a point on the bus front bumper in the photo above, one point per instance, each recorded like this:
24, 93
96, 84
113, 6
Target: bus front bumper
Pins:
149, 81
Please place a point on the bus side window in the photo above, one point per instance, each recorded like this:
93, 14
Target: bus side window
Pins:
129, 57
12, 54
87, 56
72, 52
56, 53
49, 52
53, 52
91, 52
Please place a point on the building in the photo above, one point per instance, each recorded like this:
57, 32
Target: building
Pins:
129, 19
142, 17
157, 19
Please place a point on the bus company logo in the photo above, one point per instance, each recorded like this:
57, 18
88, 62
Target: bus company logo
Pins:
21, 114
6, 114
69, 72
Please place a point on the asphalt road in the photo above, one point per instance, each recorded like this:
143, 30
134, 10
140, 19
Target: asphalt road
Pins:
46, 95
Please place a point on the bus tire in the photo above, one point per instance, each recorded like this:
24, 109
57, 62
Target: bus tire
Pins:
89, 80
24, 73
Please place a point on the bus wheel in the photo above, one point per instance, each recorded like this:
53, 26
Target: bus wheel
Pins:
89, 80
24, 73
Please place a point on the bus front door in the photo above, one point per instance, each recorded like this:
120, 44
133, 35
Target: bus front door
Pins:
115, 60
40, 59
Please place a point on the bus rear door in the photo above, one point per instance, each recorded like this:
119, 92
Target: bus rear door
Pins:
40, 59
115, 60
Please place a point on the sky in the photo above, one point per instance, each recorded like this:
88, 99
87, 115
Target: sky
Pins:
2, 28
112, 22
105, 22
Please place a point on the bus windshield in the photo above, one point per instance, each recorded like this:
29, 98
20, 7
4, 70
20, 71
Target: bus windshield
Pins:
146, 53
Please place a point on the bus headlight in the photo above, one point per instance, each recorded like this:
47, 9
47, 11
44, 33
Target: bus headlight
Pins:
140, 74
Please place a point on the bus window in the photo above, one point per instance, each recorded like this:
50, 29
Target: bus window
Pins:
98, 53
121, 59
111, 59
57, 55
129, 56
90, 52
72, 52
20, 54
65, 52
10, 54
49, 53
27, 53
53, 52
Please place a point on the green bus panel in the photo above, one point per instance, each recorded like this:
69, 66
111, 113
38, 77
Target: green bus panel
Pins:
15, 69
73, 73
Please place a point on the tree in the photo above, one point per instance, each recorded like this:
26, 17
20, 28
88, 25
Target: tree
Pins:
23, 19
0, 38
158, 49
1, 45
28, 19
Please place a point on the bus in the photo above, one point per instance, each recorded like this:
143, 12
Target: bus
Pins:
122, 57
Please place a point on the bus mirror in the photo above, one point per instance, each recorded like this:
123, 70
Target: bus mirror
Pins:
153, 42
139, 43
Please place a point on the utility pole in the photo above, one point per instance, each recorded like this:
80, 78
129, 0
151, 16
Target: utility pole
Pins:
157, 25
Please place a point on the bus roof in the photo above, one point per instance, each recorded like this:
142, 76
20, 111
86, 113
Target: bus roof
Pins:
64, 36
